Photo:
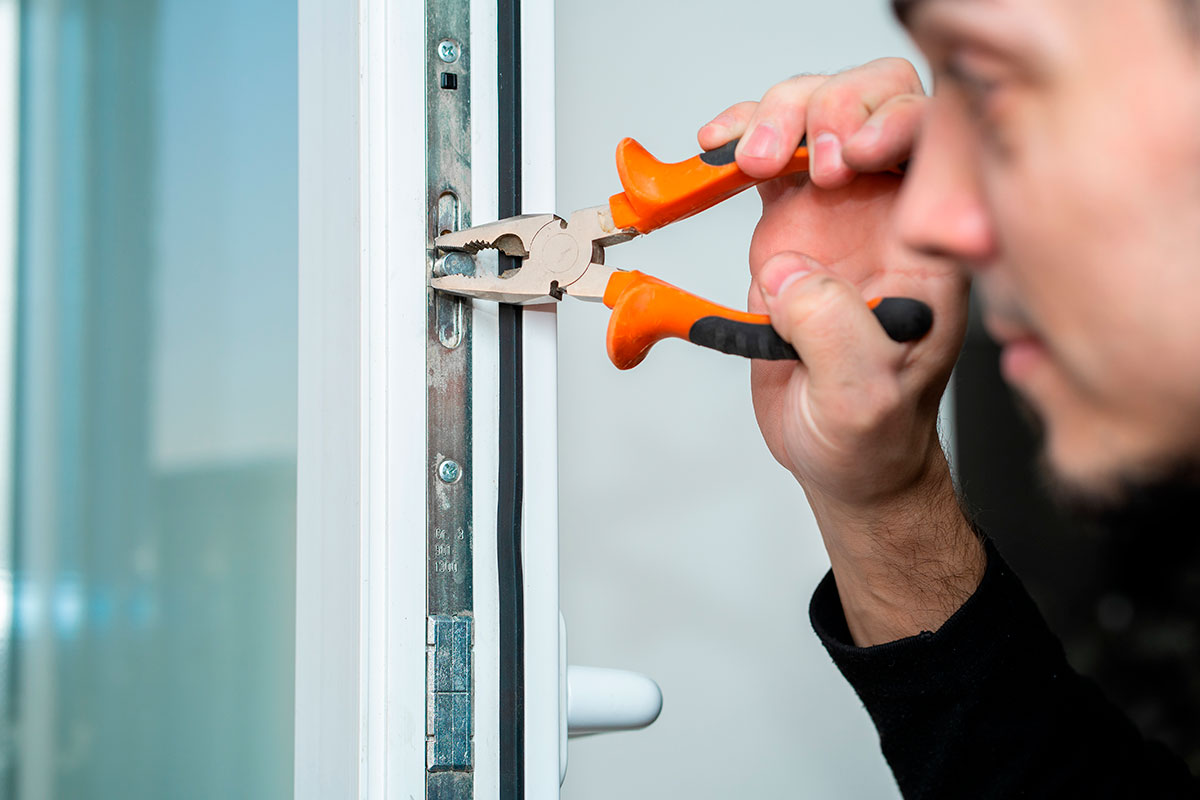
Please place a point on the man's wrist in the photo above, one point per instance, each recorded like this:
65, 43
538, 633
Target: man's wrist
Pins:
905, 565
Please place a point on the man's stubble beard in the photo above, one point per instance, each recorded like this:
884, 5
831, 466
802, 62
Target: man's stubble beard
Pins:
1148, 493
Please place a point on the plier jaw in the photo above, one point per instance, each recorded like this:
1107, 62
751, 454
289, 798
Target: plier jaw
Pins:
509, 236
512, 237
558, 257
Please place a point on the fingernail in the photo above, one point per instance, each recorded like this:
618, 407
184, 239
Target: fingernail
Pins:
762, 142
781, 271
827, 157
722, 122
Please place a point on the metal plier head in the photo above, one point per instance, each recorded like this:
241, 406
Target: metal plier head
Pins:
557, 257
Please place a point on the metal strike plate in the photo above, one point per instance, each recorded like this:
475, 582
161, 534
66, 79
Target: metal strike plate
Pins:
448, 318
448, 675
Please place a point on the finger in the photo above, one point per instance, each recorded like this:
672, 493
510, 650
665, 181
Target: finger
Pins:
887, 138
840, 107
776, 126
827, 321
772, 190
726, 126
769, 380
755, 302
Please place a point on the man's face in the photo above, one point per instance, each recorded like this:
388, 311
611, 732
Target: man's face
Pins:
1060, 164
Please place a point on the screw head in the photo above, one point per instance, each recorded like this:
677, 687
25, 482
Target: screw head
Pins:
449, 471
447, 51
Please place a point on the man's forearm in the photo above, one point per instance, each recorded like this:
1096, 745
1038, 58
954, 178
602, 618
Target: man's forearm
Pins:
904, 566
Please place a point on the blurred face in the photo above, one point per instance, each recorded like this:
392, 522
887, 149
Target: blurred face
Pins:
1060, 164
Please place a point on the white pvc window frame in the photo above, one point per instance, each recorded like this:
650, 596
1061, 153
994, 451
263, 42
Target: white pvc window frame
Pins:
360, 608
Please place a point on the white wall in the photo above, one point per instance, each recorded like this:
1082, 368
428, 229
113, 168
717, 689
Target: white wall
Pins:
687, 552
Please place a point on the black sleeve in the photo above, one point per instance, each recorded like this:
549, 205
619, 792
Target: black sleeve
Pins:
987, 707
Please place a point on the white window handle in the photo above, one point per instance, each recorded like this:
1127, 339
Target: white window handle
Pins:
602, 700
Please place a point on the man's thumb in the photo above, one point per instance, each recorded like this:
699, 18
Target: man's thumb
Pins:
821, 315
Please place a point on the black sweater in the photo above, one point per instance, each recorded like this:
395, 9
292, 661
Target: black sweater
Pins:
987, 707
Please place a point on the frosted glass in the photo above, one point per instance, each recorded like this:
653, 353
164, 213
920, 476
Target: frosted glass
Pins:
154, 532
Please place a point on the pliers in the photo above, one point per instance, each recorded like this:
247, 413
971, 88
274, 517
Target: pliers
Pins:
566, 258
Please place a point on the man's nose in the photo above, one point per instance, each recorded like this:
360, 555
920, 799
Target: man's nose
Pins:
941, 208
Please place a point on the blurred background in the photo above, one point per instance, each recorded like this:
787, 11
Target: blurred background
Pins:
687, 552
147, 493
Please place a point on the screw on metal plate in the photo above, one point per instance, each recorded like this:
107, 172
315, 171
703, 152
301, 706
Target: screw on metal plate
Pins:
449, 471
447, 50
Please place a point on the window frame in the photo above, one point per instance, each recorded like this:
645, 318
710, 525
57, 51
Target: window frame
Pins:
361, 544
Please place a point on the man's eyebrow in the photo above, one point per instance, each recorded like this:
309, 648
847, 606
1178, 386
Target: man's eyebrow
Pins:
903, 9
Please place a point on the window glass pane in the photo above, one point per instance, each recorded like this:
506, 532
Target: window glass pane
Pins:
155, 457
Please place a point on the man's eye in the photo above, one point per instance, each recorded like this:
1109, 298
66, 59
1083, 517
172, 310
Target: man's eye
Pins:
984, 92
975, 86
979, 87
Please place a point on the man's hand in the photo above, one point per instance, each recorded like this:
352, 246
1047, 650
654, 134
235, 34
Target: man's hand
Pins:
856, 421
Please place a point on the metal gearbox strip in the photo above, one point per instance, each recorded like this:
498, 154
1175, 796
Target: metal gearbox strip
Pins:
449, 673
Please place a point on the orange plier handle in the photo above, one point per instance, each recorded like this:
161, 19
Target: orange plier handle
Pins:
646, 310
657, 194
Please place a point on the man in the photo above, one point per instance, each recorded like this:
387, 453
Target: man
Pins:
1058, 165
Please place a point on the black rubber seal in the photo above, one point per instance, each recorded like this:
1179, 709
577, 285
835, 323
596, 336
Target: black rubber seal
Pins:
510, 483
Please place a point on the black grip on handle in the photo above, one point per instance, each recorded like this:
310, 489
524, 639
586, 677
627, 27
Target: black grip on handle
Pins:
720, 156
748, 339
904, 320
